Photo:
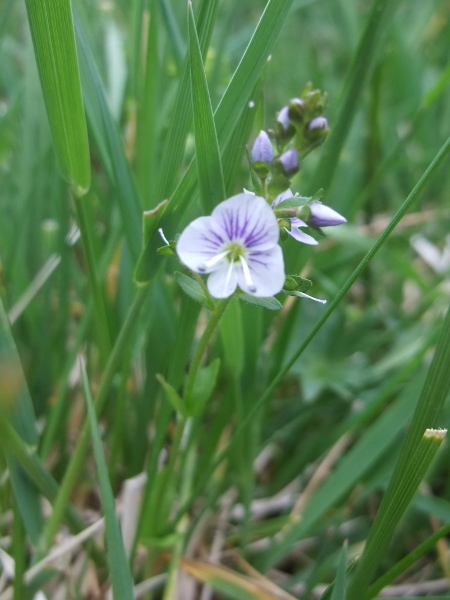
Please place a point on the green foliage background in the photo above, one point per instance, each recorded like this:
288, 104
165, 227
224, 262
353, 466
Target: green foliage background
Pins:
349, 395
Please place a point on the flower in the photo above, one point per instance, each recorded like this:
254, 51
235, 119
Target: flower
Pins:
238, 246
294, 231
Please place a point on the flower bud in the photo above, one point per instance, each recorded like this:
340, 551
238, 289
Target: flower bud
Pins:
283, 118
324, 216
262, 149
284, 130
297, 110
289, 162
317, 124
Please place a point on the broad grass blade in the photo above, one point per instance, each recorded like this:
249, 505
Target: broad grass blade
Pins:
209, 166
110, 146
54, 45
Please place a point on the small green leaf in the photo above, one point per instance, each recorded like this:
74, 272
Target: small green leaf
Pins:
271, 303
203, 387
172, 396
191, 287
56, 56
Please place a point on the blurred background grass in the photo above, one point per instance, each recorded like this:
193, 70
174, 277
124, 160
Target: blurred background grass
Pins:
371, 352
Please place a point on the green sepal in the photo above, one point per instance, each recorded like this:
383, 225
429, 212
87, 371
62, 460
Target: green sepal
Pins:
271, 303
296, 283
167, 250
290, 204
204, 385
172, 396
261, 169
191, 287
146, 264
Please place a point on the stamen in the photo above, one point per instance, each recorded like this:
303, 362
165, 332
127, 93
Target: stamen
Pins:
247, 275
212, 261
230, 268
161, 233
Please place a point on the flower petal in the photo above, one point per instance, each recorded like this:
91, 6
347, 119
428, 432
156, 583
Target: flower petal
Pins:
246, 219
223, 282
267, 272
198, 244
301, 236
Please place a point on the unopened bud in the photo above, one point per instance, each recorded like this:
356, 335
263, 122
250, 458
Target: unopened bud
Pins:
324, 216
289, 162
297, 110
262, 149
318, 123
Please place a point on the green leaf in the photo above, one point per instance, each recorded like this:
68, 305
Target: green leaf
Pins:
191, 287
54, 45
173, 151
172, 396
17, 408
339, 587
204, 385
119, 570
271, 303
399, 494
209, 166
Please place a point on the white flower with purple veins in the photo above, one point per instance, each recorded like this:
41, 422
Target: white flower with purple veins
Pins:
294, 231
238, 246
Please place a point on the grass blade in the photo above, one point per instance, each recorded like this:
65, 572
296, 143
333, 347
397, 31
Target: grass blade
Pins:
120, 574
110, 146
401, 489
54, 44
178, 129
209, 166
17, 408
